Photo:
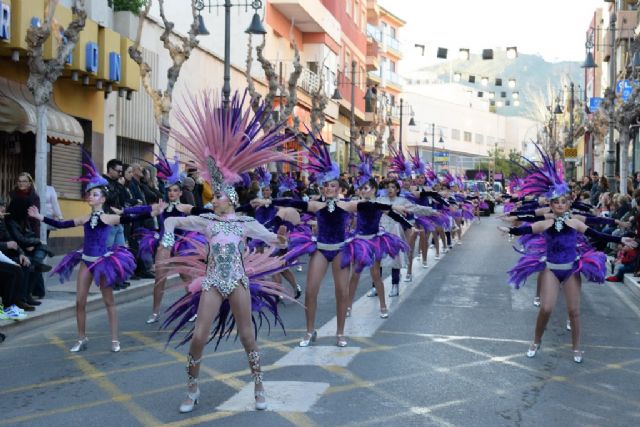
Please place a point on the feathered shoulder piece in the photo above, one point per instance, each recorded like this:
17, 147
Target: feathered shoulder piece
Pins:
419, 167
480, 176
263, 176
399, 163
544, 178
91, 177
364, 168
319, 161
225, 145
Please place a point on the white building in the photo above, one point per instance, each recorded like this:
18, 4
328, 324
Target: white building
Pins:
451, 113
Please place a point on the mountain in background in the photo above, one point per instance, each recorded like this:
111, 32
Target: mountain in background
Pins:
535, 78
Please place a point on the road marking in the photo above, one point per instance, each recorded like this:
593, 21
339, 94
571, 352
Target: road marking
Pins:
282, 396
318, 356
144, 417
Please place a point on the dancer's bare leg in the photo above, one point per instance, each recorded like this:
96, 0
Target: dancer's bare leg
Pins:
353, 285
161, 279
377, 282
83, 283
318, 265
240, 301
549, 296
341, 280
208, 308
424, 244
572, 296
112, 314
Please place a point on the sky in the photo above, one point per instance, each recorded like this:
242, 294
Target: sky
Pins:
554, 29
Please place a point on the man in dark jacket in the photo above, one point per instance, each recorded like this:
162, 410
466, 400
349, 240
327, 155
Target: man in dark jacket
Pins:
116, 197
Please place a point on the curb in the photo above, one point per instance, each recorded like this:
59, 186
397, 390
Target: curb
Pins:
633, 283
94, 302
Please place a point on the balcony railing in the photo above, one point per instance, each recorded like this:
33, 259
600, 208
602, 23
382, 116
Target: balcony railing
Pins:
308, 81
374, 32
392, 43
393, 78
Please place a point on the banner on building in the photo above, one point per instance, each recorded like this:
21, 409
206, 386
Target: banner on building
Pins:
570, 154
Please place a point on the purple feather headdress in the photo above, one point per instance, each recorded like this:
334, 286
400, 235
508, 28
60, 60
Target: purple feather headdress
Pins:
167, 171
544, 179
364, 167
480, 176
432, 177
223, 145
515, 183
319, 161
399, 164
419, 167
287, 183
264, 176
91, 177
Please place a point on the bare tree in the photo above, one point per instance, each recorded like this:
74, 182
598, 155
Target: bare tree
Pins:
179, 53
319, 101
44, 72
274, 88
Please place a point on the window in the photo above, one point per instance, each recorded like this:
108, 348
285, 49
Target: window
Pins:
467, 136
356, 12
363, 79
479, 138
347, 64
392, 32
455, 134
392, 66
349, 7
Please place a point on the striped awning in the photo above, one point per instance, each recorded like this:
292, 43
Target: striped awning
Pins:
18, 113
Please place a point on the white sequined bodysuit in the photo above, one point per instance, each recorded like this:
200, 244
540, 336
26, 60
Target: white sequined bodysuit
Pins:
227, 241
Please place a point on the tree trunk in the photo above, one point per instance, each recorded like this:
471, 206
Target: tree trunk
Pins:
165, 126
41, 160
624, 159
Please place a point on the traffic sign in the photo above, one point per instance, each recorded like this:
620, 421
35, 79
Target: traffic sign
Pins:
594, 103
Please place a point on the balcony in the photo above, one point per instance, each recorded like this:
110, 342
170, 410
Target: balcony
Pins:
373, 61
373, 11
374, 32
626, 24
309, 16
394, 79
393, 46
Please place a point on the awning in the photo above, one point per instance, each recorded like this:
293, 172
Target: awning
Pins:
18, 113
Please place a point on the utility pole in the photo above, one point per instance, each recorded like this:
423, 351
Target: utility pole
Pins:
569, 142
400, 139
352, 130
611, 159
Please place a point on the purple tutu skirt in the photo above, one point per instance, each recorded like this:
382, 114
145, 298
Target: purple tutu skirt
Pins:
185, 243
116, 266
366, 252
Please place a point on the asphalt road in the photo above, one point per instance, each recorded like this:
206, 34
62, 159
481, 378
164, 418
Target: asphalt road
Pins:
451, 353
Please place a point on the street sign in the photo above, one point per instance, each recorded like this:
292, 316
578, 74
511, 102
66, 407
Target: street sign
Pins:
625, 88
594, 103
570, 154
441, 157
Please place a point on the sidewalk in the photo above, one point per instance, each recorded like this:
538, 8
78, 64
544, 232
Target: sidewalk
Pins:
60, 299
632, 283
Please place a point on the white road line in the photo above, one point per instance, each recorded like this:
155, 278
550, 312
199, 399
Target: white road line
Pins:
319, 356
281, 396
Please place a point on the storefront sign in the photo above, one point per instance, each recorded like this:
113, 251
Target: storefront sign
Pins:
441, 157
92, 57
594, 103
5, 21
114, 66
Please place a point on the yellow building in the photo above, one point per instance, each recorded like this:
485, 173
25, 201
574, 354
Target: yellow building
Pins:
98, 66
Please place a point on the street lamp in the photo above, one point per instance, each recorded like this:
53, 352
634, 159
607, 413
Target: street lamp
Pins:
255, 27
433, 143
412, 121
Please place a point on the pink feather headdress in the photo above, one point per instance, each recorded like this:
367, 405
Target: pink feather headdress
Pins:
223, 146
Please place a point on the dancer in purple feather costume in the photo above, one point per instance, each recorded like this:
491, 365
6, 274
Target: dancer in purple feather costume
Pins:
224, 143
327, 248
371, 244
564, 259
99, 264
